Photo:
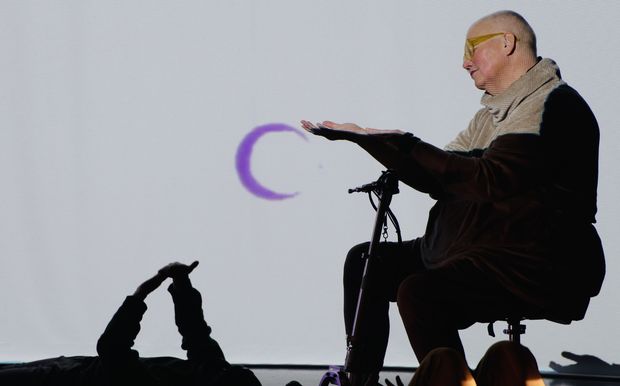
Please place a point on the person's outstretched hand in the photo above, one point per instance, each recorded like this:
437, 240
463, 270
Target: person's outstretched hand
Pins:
176, 269
347, 131
334, 131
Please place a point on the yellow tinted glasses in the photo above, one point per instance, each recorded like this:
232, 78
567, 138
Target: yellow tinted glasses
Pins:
470, 44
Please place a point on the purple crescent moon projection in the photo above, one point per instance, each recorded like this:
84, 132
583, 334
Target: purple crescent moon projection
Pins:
244, 158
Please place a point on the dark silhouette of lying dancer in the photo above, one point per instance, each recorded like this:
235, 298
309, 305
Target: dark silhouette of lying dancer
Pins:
117, 364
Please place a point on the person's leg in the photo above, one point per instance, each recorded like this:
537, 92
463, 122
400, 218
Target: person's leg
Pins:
508, 364
395, 262
443, 366
436, 303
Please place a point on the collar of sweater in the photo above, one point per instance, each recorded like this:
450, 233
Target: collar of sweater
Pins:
501, 105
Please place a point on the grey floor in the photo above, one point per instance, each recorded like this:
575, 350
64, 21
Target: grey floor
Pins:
312, 377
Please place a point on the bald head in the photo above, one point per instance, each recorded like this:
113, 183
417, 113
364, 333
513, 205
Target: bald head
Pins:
499, 49
510, 21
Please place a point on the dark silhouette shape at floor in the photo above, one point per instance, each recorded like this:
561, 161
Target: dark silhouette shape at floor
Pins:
118, 364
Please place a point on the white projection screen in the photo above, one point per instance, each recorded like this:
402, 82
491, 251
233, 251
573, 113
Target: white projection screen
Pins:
120, 123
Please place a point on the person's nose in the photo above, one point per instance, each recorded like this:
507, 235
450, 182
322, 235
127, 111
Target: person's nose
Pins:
467, 63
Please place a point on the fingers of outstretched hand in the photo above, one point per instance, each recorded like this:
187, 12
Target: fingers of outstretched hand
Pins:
325, 124
320, 130
334, 131
307, 125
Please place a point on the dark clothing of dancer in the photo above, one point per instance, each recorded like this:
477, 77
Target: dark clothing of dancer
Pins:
118, 364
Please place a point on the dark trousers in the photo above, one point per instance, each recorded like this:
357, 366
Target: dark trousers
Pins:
433, 303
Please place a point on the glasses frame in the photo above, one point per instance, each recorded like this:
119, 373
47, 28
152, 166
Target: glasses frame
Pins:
472, 43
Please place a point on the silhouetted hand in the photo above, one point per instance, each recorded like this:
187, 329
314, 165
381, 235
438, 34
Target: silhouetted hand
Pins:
399, 382
173, 270
149, 286
585, 364
176, 269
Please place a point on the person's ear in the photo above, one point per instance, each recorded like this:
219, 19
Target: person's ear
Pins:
510, 43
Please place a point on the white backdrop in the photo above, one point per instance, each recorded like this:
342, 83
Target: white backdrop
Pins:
119, 123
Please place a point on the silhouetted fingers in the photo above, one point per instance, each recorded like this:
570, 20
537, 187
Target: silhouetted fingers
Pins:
399, 382
556, 366
192, 266
572, 356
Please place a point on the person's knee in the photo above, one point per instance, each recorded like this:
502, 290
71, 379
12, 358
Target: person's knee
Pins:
356, 252
504, 350
511, 352
507, 363
443, 366
354, 263
450, 359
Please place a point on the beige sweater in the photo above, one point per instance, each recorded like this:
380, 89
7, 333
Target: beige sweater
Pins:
518, 110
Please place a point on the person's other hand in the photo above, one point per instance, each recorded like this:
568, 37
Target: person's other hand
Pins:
177, 269
399, 382
585, 364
